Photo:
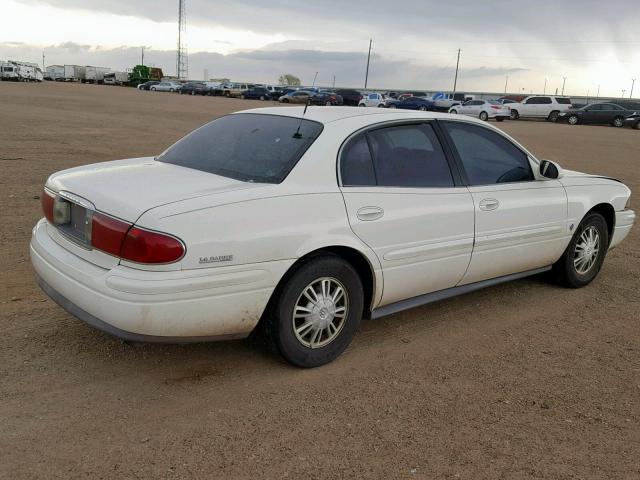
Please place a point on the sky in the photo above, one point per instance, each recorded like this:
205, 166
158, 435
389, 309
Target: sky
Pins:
523, 44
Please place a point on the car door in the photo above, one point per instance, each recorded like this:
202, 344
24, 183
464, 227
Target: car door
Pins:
520, 218
403, 202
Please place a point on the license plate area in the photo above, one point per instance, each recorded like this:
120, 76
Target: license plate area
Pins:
73, 221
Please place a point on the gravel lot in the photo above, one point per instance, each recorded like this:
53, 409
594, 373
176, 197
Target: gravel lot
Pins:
522, 380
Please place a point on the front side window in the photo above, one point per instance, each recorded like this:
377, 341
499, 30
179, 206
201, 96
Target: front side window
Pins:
544, 101
487, 156
409, 156
245, 146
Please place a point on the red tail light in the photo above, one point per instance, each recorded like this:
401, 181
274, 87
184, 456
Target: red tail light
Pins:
144, 246
107, 233
46, 200
495, 107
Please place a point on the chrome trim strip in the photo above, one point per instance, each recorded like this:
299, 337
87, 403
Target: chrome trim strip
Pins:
450, 292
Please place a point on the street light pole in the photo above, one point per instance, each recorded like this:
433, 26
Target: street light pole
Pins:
633, 82
564, 79
598, 94
544, 92
314, 79
455, 80
366, 75
506, 80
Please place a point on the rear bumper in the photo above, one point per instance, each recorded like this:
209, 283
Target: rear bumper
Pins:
159, 306
624, 222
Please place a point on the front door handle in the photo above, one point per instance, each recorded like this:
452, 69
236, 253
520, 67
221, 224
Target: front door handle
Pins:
366, 214
489, 204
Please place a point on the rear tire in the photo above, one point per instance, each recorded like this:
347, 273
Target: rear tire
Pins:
583, 258
311, 333
499, 119
553, 116
637, 126
484, 116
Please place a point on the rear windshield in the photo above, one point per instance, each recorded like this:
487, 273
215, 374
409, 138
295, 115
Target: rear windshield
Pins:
250, 147
564, 101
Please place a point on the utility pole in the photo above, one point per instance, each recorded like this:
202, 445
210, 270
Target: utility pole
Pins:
598, 94
544, 92
366, 75
334, 82
43, 70
633, 82
564, 79
506, 80
314, 79
623, 90
455, 79
142, 59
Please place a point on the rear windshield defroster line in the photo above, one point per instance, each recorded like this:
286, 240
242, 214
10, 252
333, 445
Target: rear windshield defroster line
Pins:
249, 147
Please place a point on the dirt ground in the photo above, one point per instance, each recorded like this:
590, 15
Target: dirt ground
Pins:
522, 380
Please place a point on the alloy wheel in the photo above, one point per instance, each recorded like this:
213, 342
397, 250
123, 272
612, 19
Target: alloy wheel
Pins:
320, 312
586, 250
573, 120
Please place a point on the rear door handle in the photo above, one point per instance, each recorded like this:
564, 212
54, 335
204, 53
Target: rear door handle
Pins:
489, 204
366, 214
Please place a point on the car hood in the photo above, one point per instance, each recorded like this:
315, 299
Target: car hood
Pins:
128, 188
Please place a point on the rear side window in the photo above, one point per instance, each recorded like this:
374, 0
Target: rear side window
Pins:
247, 147
409, 156
487, 156
356, 166
563, 101
544, 101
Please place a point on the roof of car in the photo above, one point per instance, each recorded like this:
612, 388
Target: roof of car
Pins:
331, 114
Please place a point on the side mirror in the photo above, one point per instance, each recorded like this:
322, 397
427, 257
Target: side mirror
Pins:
549, 169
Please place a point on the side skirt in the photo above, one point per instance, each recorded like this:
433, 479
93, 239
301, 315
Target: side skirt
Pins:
450, 292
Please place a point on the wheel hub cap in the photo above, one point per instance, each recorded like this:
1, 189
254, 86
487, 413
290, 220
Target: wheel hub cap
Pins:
586, 250
320, 312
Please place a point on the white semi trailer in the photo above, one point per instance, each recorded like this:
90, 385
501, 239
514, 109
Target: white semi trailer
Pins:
55, 72
116, 78
95, 74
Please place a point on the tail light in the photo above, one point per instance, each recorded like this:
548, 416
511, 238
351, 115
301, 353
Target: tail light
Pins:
495, 107
47, 200
122, 239
145, 246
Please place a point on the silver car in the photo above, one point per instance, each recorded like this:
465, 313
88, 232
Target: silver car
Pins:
482, 109
167, 87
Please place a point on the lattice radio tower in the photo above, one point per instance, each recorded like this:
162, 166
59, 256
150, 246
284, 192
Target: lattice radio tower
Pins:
182, 62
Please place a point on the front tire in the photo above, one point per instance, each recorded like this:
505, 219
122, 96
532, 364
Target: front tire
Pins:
514, 115
484, 116
553, 116
618, 122
454, 112
573, 120
583, 258
317, 312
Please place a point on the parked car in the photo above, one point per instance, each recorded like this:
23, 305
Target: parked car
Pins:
213, 88
604, 113
166, 87
483, 109
505, 101
148, 85
413, 103
259, 93
350, 98
444, 101
235, 89
540, 106
194, 88
633, 121
374, 99
297, 96
423, 208
326, 98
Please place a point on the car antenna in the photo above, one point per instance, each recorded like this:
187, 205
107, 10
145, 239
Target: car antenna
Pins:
304, 112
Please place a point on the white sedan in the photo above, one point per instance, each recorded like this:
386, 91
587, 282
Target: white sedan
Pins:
308, 223
483, 109
374, 99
